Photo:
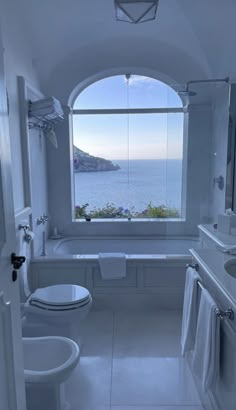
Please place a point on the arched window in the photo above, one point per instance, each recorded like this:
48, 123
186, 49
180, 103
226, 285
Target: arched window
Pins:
128, 149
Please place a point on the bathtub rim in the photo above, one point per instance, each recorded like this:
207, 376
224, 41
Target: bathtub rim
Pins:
52, 244
117, 238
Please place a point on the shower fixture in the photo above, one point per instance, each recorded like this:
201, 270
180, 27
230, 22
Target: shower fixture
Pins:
188, 93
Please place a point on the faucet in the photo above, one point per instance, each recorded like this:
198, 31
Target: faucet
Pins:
42, 220
44, 244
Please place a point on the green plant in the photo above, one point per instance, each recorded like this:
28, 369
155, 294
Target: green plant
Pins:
160, 211
110, 210
80, 211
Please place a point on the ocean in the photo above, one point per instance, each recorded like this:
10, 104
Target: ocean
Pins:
133, 186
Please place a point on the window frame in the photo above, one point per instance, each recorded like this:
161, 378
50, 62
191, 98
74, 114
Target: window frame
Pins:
127, 111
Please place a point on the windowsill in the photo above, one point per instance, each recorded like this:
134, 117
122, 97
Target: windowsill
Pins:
124, 220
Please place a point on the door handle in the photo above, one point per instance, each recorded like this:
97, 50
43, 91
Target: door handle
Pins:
17, 261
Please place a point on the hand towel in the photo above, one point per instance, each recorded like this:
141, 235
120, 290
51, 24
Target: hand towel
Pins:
206, 355
112, 265
190, 311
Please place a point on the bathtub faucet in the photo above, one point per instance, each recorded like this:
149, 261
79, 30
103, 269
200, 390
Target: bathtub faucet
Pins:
44, 244
42, 220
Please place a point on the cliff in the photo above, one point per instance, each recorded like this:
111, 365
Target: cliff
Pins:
83, 162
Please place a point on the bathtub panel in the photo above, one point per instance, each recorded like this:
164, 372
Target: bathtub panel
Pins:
52, 275
129, 281
164, 276
149, 283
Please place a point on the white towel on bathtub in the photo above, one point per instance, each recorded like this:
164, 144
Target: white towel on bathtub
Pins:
112, 265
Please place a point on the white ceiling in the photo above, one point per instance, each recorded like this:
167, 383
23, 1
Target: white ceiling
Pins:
75, 38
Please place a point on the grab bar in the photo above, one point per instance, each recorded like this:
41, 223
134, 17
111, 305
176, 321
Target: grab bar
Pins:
228, 313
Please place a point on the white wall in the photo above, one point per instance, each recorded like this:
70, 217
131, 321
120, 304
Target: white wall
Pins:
18, 62
39, 185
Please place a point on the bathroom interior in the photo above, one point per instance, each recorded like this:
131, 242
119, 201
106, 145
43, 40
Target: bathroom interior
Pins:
113, 306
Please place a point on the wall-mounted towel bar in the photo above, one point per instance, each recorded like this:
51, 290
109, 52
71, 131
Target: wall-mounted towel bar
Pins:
229, 313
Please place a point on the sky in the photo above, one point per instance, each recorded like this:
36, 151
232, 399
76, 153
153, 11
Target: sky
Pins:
143, 136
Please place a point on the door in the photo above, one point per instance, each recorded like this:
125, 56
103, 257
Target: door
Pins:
12, 389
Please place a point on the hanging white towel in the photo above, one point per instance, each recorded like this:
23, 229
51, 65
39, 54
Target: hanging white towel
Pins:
112, 265
206, 355
190, 311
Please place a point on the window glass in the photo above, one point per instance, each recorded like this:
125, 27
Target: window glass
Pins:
111, 92
128, 165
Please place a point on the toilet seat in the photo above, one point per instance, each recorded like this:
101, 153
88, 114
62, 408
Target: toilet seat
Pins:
60, 297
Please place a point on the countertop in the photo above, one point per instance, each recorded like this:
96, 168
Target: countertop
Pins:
219, 238
212, 261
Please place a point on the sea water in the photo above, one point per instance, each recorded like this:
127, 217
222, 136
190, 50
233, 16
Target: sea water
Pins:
135, 185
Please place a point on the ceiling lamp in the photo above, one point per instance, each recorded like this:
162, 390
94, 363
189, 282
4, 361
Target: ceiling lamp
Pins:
136, 11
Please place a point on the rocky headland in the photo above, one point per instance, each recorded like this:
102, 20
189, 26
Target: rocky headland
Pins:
83, 162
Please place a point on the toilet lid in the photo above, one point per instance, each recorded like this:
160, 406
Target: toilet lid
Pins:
61, 296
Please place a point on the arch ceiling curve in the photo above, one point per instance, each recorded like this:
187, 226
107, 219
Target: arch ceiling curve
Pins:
152, 58
203, 30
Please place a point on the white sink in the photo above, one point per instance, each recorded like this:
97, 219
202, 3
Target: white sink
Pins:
230, 267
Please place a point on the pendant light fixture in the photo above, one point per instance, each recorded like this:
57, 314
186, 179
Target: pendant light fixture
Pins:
136, 11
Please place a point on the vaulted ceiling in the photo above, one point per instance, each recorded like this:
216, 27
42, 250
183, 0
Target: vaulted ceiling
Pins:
73, 39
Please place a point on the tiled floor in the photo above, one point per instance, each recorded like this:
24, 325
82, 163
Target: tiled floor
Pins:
132, 361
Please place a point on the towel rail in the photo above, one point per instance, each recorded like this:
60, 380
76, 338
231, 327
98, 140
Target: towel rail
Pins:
228, 313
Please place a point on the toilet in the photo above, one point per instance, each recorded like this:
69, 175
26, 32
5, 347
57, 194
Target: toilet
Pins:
55, 310
48, 363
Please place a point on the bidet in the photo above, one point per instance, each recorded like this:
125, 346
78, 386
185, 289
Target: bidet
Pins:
48, 363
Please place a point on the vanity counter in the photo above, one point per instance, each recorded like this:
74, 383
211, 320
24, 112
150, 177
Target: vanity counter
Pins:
211, 263
218, 238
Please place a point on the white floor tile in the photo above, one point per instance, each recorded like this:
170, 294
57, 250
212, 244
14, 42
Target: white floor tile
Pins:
156, 381
130, 361
90, 385
97, 333
147, 335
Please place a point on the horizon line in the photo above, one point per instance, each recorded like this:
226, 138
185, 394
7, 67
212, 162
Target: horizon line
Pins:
144, 159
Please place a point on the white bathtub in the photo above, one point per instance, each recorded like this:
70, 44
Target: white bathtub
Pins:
77, 246
155, 270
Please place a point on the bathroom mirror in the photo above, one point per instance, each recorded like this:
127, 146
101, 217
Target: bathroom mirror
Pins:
230, 194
